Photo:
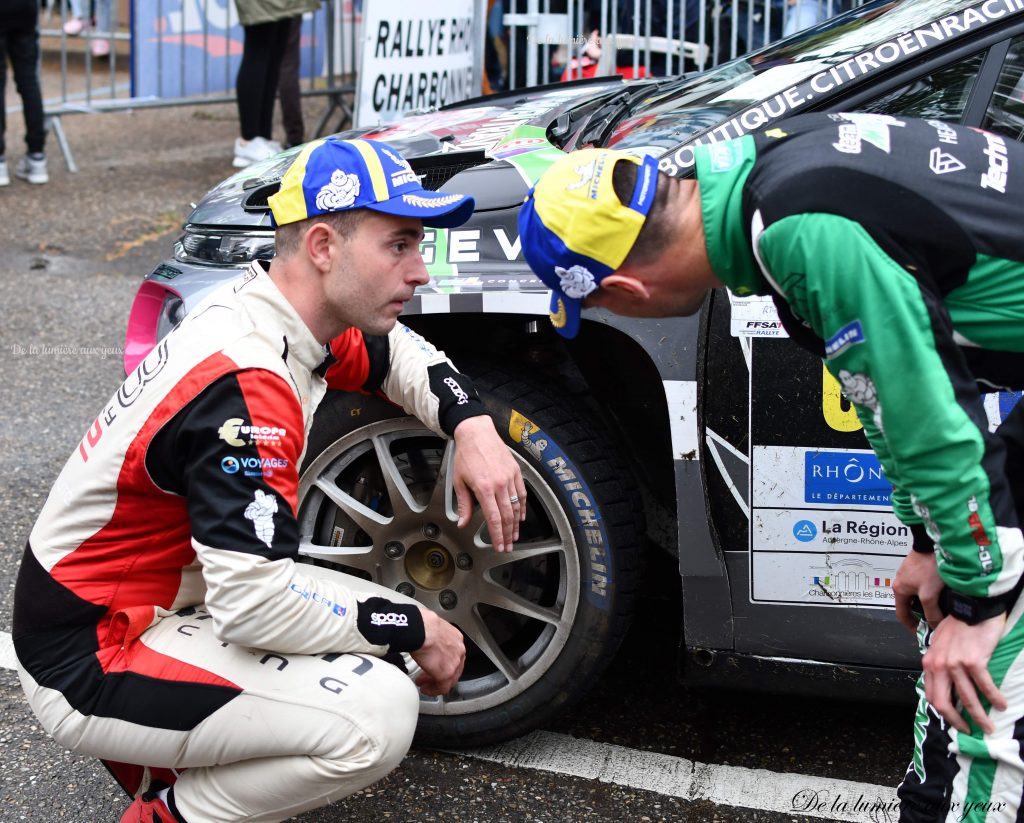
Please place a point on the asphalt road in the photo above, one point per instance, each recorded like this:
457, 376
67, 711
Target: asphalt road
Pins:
72, 254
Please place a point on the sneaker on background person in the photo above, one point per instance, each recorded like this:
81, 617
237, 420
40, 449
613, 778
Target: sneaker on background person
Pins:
5, 177
100, 47
252, 151
32, 167
74, 26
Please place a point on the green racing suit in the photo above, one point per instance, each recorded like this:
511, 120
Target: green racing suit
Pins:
894, 249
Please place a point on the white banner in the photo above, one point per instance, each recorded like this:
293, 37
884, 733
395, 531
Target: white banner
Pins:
416, 56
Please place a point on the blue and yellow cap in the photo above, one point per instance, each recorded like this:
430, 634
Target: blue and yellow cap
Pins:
574, 229
337, 175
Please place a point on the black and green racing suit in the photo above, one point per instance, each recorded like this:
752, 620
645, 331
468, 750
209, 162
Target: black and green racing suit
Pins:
894, 249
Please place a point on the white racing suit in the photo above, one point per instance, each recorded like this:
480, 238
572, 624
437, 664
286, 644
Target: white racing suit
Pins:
160, 616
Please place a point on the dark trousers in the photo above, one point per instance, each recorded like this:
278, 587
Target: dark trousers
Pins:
257, 77
288, 87
20, 45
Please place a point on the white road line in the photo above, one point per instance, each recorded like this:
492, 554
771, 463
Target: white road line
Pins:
796, 794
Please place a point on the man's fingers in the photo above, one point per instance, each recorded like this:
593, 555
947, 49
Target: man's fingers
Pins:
939, 692
932, 613
905, 614
987, 686
463, 502
520, 486
969, 698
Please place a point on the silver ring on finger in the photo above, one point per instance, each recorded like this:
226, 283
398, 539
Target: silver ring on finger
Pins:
514, 499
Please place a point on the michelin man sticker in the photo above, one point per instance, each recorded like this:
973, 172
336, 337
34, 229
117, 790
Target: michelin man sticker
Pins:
261, 512
576, 281
860, 390
522, 430
340, 193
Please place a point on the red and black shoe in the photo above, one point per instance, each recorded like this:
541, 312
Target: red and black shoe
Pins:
148, 808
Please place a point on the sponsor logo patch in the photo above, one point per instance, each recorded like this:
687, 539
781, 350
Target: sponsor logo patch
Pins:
388, 619
805, 531
998, 163
335, 608
459, 393
725, 156
261, 512
576, 282
585, 172
845, 477
340, 193
237, 432
849, 335
941, 162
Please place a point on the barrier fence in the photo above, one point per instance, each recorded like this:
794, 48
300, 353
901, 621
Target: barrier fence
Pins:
159, 53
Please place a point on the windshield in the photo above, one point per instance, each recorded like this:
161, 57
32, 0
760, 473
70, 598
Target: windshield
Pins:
715, 95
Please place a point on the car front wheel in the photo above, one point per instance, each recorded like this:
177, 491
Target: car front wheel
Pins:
540, 622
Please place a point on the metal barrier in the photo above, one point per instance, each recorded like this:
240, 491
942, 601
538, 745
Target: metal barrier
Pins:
180, 53
552, 40
184, 52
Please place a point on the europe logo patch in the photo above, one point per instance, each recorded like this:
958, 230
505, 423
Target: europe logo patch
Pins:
849, 335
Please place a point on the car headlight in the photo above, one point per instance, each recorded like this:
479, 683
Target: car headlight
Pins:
224, 248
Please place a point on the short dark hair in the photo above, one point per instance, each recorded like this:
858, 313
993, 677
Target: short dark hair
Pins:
652, 238
345, 222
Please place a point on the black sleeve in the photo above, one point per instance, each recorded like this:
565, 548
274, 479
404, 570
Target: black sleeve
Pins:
233, 452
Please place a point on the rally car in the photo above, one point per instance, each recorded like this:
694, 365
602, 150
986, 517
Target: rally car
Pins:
712, 438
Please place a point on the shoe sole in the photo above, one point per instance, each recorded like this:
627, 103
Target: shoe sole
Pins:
35, 180
241, 162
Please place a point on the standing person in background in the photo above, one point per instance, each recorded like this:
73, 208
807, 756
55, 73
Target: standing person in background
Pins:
267, 24
289, 90
19, 43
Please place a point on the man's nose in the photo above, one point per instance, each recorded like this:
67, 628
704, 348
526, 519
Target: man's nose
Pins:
418, 272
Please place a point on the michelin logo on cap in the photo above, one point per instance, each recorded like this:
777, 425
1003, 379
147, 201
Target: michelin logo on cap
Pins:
340, 193
576, 282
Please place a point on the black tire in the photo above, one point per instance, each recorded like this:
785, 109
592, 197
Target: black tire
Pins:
565, 607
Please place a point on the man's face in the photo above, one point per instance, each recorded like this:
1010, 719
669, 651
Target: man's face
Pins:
379, 268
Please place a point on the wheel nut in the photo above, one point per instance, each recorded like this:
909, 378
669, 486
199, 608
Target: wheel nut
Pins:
406, 589
464, 561
394, 549
431, 531
448, 599
435, 560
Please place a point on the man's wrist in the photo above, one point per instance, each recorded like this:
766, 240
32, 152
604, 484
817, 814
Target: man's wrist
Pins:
399, 626
972, 610
457, 399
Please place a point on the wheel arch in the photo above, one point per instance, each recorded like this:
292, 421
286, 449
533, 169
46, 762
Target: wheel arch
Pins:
606, 367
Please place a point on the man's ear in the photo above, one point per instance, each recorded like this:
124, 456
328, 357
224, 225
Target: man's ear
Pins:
626, 285
317, 241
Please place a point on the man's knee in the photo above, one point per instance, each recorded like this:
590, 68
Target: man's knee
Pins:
388, 711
